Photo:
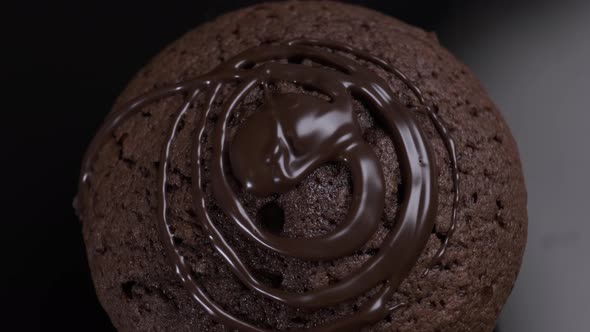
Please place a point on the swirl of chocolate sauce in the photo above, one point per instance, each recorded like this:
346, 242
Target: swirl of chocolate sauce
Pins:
277, 147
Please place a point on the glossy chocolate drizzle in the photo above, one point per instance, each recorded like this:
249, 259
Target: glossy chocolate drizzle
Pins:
277, 147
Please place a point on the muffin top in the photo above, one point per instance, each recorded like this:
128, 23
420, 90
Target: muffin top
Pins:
303, 166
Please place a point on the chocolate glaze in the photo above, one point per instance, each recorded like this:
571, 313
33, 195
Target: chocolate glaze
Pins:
279, 146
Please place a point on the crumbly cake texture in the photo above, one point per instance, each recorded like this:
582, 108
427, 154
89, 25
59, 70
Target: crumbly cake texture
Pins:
135, 283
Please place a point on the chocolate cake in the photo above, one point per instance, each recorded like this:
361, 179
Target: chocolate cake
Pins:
303, 166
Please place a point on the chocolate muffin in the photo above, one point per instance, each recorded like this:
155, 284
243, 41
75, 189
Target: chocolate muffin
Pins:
303, 166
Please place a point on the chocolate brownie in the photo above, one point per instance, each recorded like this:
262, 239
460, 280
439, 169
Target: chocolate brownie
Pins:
303, 166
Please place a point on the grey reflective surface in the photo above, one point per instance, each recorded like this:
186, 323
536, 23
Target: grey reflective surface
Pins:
534, 60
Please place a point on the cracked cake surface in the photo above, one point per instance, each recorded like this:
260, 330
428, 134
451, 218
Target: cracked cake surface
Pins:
137, 286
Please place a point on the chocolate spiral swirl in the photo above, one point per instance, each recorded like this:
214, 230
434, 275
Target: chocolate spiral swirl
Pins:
277, 147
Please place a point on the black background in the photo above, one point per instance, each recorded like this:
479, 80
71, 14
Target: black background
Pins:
64, 64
